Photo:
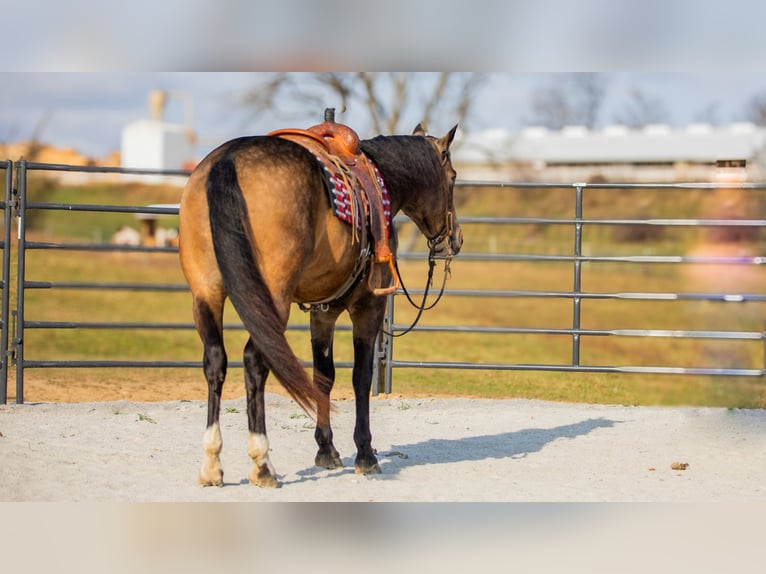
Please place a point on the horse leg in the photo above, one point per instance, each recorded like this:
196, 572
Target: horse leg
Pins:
209, 326
366, 320
256, 372
322, 335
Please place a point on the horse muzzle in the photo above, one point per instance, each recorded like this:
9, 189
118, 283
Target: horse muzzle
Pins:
456, 240
448, 246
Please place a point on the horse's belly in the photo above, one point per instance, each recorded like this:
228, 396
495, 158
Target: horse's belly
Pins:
330, 266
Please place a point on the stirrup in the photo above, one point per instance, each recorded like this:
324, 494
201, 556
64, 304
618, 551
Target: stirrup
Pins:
391, 289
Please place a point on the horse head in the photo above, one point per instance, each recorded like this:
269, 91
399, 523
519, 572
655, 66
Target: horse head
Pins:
437, 217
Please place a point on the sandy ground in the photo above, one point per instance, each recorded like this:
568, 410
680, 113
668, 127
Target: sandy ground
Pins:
429, 450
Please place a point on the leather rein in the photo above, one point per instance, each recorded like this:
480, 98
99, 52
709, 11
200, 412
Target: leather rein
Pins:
429, 282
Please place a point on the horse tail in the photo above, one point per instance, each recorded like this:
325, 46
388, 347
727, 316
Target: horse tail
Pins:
238, 261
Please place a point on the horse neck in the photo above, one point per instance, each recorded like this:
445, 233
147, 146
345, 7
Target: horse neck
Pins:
407, 164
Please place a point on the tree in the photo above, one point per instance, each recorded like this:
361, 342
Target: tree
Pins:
383, 101
34, 144
573, 99
710, 114
642, 109
755, 109
387, 102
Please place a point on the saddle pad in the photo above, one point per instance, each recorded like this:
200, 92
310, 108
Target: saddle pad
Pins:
344, 207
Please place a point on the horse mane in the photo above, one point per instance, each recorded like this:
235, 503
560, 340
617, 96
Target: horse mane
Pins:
406, 163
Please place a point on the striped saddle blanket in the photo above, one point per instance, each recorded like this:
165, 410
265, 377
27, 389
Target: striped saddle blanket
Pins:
345, 202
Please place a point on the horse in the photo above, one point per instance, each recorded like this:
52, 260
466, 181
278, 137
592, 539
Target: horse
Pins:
256, 226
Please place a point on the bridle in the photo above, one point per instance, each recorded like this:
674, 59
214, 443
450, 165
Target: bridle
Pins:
444, 234
449, 225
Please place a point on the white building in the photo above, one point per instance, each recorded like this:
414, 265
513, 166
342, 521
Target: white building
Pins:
154, 144
615, 153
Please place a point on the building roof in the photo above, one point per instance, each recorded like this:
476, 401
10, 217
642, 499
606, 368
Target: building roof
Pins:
657, 143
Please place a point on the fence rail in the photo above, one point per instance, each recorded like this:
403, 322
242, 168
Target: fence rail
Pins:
18, 205
577, 295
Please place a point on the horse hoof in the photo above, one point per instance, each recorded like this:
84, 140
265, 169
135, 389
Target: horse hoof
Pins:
371, 467
265, 482
210, 476
328, 460
262, 477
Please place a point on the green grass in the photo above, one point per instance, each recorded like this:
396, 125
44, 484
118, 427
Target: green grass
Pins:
60, 304
87, 226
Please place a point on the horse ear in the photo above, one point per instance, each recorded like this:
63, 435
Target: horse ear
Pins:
446, 140
419, 130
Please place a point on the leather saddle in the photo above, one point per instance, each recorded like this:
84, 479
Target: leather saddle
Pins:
337, 145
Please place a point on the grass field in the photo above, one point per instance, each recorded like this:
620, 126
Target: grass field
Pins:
164, 384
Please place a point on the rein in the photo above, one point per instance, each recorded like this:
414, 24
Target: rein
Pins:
422, 306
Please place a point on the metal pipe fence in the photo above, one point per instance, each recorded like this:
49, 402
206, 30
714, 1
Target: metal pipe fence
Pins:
17, 203
577, 294
7, 168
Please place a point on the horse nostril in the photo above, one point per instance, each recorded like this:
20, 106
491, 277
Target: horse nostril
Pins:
458, 240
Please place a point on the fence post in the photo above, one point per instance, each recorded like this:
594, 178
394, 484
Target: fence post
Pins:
577, 287
18, 339
381, 366
388, 323
7, 218
377, 363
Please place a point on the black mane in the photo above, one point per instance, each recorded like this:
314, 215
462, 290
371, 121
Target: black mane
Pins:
409, 164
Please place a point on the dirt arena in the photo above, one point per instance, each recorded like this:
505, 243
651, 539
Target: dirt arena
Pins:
430, 449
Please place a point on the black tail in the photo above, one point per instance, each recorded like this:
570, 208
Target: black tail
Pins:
232, 241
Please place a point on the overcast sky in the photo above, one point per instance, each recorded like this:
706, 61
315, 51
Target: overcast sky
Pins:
87, 111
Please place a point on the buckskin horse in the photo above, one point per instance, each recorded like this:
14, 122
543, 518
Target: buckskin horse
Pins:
257, 224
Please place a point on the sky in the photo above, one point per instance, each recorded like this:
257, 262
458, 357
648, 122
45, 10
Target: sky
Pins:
87, 111
77, 72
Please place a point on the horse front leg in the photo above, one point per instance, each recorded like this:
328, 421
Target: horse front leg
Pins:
256, 372
366, 316
322, 336
214, 363
364, 353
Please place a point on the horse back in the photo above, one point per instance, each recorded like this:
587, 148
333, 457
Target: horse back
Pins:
304, 252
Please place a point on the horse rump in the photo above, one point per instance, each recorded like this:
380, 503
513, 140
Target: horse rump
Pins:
238, 263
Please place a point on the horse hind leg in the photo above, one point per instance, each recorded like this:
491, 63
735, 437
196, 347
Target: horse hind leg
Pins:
322, 335
209, 326
211, 472
256, 372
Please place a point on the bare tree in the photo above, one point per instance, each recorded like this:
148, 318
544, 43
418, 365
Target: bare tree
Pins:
755, 109
385, 99
642, 109
551, 109
34, 144
590, 90
572, 99
710, 114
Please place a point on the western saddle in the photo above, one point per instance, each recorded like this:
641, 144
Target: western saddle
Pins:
337, 145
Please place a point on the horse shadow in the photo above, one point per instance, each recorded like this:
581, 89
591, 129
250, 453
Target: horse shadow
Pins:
516, 444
